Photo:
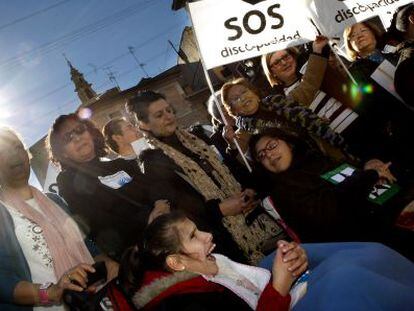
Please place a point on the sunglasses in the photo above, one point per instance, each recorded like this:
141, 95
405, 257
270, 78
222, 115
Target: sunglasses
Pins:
77, 131
271, 145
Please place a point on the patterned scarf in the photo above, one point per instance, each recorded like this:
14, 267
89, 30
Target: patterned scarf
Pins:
249, 238
62, 236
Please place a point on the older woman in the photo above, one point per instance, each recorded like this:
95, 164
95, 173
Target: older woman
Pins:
42, 250
109, 197
387, 120
254, 115
363, 40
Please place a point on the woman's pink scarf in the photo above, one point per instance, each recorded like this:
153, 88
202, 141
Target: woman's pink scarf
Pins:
62, 235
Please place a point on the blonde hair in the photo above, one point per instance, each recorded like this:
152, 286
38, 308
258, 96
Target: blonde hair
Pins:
273, 81
350, 51
225, 89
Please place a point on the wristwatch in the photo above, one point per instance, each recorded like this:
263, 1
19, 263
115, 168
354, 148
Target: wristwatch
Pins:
43, 295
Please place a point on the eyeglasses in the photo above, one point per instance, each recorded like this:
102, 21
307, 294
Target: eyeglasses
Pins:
238, 99
279, 61
77, 131
271, 145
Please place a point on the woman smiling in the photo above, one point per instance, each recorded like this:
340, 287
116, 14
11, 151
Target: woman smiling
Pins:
42, 250
110, 198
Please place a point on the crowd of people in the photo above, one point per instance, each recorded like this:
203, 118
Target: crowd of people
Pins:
181, 224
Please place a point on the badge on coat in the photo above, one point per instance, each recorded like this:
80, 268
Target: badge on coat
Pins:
115, 181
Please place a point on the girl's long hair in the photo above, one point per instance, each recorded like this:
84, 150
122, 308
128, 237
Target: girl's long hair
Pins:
160, 239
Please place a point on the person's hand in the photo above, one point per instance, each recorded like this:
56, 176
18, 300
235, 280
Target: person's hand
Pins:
139, 132
383, 170
160, 207
319, 43
282, 277
112, 268
373, 164
239, 203
229, 135
75, 279
295, 256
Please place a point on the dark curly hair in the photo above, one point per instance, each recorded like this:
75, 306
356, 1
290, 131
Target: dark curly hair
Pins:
139, 104
55, 145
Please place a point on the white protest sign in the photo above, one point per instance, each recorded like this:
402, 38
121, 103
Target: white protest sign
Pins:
333, 16
233, 30
384, 76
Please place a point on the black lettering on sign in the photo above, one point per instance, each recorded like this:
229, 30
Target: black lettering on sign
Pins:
246, 19
272, 13
232, 23
253, 1
230, 26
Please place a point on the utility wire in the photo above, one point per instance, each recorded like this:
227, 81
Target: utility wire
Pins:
106, 64
74, 100
48, 47
26, 17
89, 29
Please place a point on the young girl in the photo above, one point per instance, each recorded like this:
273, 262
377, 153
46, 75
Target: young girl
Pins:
318, 210
175, 269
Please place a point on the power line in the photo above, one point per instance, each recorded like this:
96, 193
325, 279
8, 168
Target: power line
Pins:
116, 58
131, 50
45, 114
74, 100
26, 17
89, 29
133, 69
48, 47
111, 75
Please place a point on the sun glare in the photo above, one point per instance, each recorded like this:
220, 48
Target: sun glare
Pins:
5, 112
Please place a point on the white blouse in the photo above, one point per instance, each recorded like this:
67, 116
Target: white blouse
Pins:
35, 250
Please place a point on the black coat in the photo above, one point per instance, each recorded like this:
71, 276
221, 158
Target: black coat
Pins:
114, 218
388, 123
165, 174
316, 209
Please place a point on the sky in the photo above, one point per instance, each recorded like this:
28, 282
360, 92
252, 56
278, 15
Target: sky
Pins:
35, 85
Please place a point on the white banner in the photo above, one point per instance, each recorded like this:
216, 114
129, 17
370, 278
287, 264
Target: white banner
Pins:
333, 16
232, 30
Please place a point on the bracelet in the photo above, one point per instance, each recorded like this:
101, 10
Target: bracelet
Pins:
43, 294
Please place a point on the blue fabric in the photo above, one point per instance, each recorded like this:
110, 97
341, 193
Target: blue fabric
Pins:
13, 264
355, 276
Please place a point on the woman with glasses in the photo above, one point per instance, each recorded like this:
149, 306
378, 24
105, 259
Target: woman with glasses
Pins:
305, 84
109, 198
254, 115
318, 209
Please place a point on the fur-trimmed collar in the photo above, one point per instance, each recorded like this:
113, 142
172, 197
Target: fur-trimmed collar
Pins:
158, 285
